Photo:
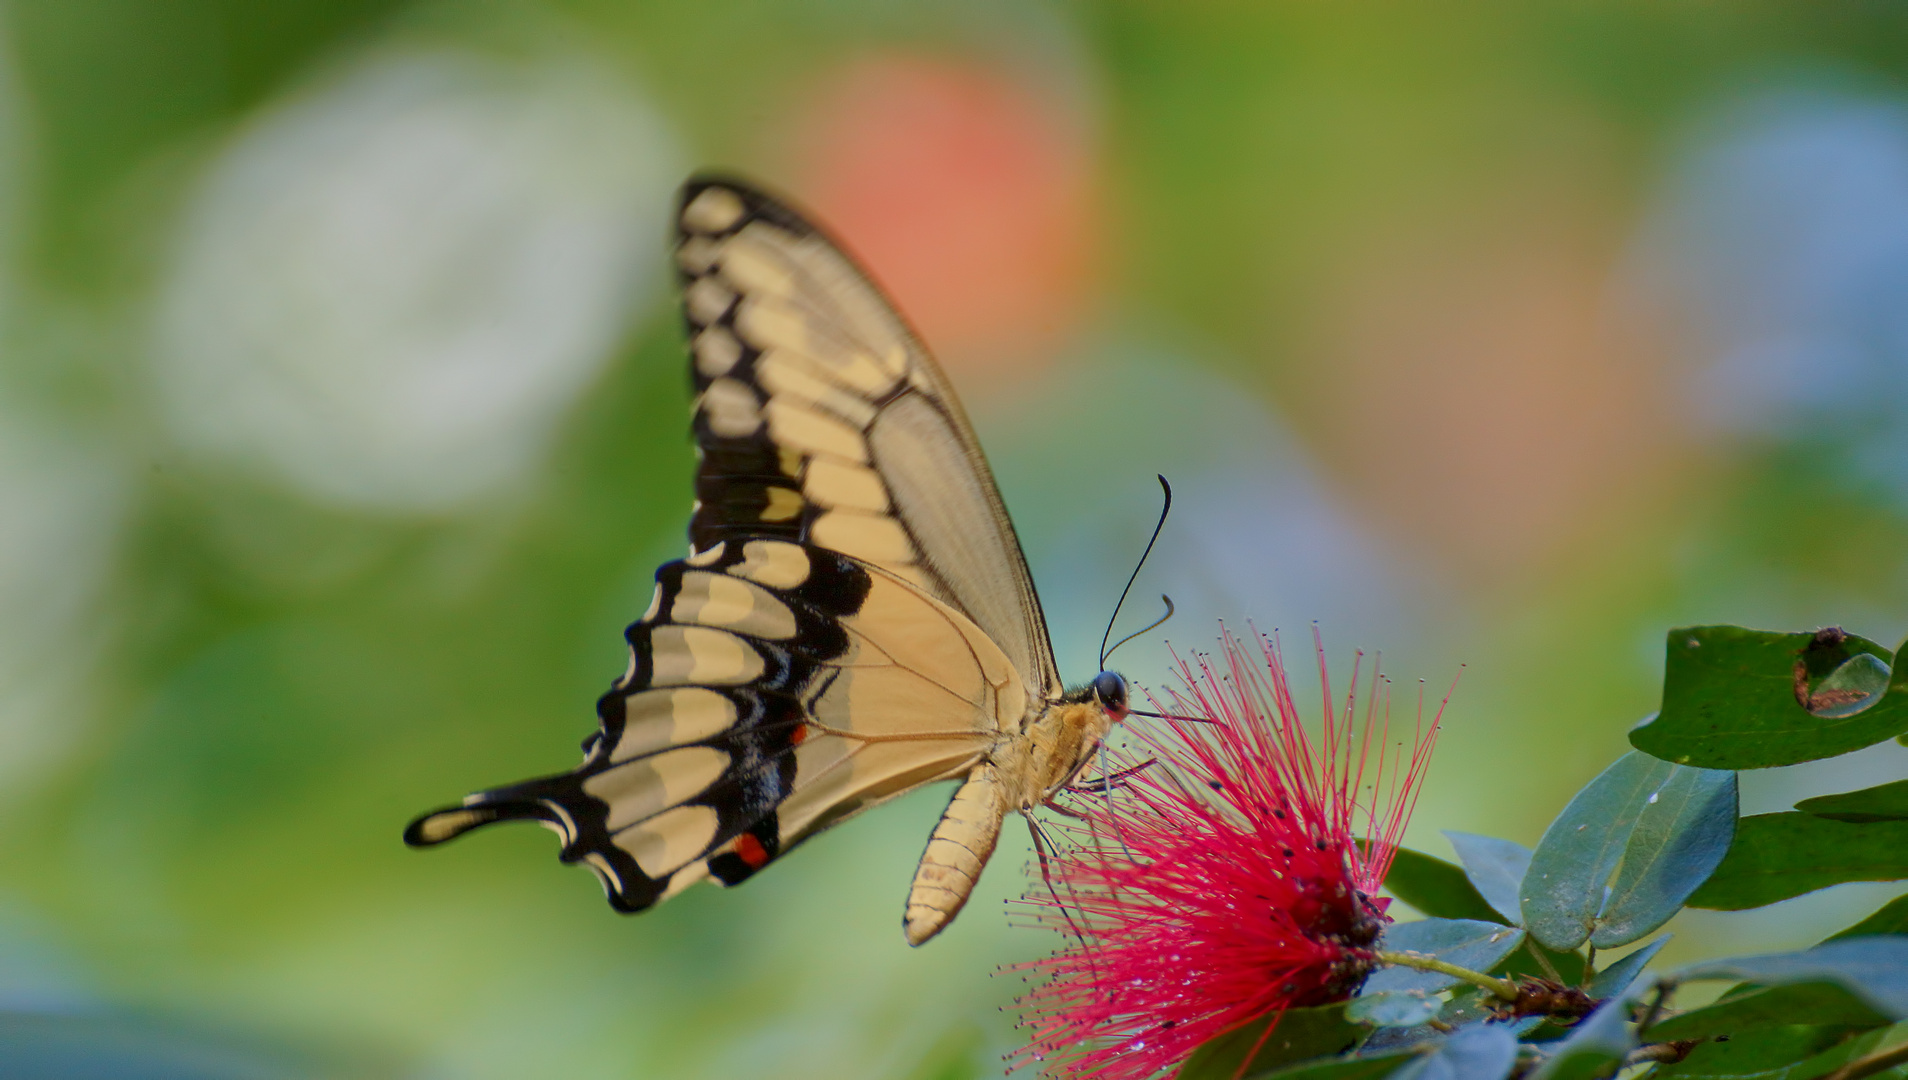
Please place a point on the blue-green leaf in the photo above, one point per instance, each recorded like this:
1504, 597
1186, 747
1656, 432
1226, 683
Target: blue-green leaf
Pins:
1874, 969
1564, 888
1395, 1008
1496, 868
1661, 829
1680, 837
1477, 1052
1464, 942
1617, 978
1594, 1047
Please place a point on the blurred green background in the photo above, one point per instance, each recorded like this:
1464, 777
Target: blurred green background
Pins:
343, 418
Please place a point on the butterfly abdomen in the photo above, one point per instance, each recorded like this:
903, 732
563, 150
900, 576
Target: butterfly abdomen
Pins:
1020, 774
955, 854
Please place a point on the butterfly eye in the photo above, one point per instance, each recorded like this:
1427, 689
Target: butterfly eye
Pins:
1110, 688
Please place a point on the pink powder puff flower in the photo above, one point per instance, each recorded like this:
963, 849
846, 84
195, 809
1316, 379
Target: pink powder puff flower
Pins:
1225, 881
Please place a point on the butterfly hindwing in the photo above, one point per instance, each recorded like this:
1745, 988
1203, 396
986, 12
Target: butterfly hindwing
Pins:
714, 752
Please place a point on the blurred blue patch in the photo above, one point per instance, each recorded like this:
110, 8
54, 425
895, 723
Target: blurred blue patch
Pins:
55, 1047
1254, 534
1783, 233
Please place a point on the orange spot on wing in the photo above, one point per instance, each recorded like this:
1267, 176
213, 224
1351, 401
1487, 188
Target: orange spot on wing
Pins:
751, 851
799, 735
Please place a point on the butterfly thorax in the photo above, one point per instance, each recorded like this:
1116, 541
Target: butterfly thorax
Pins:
1052, 752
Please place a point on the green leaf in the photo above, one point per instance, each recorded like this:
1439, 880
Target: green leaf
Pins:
1465, 942
1885, 802
1664, 825
1436, 888
1495, 868
1836, 1056
1874, 969
1729, 699
1892, 918
1770, 1006
1363, 1067
1754, 1054
1617, 978
1477, 1052
1396, 1008
1594, 1047
1682, 834
1299, 1034
1776, 856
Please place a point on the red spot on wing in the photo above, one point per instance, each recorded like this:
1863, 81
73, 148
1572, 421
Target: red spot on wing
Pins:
751, 851
799, 735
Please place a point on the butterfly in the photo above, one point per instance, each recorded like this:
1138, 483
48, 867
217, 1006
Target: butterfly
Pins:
855, 618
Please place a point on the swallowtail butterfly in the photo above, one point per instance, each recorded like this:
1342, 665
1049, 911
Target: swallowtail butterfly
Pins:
854, 619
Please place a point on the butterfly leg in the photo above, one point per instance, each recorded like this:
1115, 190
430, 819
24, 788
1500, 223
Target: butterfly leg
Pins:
951, 865
1040, 845
1113, 782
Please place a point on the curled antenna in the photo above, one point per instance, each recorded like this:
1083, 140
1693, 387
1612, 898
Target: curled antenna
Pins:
1148, 628
1165, 508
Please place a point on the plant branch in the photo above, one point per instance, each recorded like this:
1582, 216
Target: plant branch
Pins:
1663, 991
1872, 1064
1504, 989
1537, 952
1669, 1052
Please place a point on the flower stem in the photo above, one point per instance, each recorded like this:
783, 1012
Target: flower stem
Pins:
1872, 1064
1504, 989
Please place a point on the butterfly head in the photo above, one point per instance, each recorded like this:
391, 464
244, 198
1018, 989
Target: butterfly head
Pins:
1108, 688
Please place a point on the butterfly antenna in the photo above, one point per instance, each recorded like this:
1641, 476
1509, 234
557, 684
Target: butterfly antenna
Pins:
1166, 507
1147, 629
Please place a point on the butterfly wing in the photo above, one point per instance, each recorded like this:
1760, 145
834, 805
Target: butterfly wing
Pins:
852, 570
821, 416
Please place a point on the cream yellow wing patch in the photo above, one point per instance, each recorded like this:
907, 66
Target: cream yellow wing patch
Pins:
917, 669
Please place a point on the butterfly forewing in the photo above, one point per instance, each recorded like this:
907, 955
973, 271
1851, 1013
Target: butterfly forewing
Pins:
852, 571
820, 416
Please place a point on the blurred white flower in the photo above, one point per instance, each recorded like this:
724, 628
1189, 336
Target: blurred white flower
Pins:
387, 290
64, 500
